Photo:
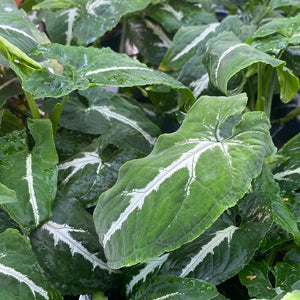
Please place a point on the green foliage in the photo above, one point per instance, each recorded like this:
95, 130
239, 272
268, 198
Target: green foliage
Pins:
136, 158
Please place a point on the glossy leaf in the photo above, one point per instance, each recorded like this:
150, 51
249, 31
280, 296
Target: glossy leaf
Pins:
7, 195
84, 67
95, 110
21, 276
287, 173
31, 174
182, 166
226, 247
174, 14
226, 56
92, 18
172, 287
66, 249
280, 3
91, 172
185, 43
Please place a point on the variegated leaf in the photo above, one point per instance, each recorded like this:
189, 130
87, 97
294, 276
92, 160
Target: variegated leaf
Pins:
90, 19
101, 111
226, 56
174, 14
182, 167
85, 67
68, 243
20, 274
32, 174
91, 172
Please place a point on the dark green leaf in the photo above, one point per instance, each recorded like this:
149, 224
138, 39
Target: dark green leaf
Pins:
20, 274
31, 174
67, 251
176, 288
182, 166
9, 122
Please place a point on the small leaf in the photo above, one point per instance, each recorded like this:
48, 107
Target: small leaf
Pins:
172, 287
21, 275
182, 166
7, 195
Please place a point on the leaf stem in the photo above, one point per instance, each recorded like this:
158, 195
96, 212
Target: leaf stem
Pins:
291, 115
32, 106
123, 35
260, 102
252, 8
56, 114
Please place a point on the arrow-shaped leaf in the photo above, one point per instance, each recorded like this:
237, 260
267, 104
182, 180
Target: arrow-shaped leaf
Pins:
174, 186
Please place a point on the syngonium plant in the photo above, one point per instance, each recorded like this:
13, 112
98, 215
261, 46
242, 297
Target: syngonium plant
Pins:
96, 198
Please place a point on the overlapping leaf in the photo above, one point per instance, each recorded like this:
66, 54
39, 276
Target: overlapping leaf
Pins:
95, 110
226, 247
174, 187
92, 171
20, 274
175, 14
88, 20
32, 174
172, 287
66, 249
85, 67
226, 56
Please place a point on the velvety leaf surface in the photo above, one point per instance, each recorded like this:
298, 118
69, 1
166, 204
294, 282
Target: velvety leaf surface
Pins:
280, 3
226, 56
7, 195
226, 247
172, 287
182, 166
20, 274
175, 14
84, 67
287, 173
31, 174
66, 249
95, 110
92, 18
91, 172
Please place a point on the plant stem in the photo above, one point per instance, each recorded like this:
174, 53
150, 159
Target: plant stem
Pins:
269, 89
18, 110
260, 102
56, 114
252, 8
291, 115
123, 35
32, 106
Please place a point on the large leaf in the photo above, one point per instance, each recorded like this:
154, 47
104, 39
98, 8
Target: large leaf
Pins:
20, 274
179, 179
84, 67
92, 171
280, 3
90, 19
95, 110
31, 174
287, 173
226, 56
176, 288
65, 247
227, 246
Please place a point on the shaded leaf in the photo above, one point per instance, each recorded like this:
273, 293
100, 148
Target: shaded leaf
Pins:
91, 172
66, 249
31, 174
172, 287
9, 122
182, 166
84, 67
21, 276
